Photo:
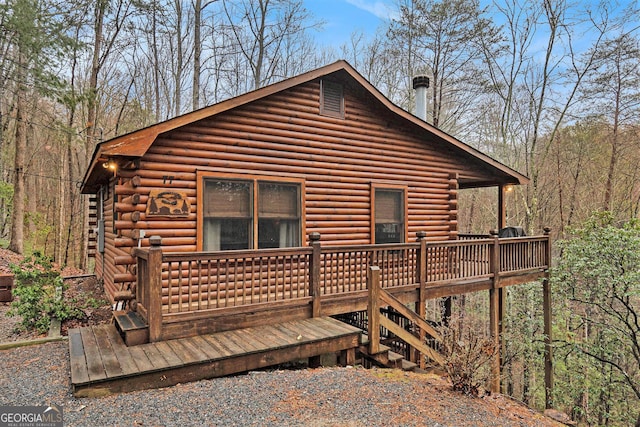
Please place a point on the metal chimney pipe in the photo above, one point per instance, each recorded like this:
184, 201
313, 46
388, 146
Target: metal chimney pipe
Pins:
420, 85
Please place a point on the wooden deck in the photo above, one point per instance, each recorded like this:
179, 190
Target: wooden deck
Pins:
102, 364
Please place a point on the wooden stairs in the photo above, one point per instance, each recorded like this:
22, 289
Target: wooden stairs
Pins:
131, 327
386, 358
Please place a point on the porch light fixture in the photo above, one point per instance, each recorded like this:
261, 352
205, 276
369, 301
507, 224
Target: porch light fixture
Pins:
508, 188
110, 165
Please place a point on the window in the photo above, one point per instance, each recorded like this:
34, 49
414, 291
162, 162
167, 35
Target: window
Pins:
389, 212
227, 215
246, 214
278, 215
331, 99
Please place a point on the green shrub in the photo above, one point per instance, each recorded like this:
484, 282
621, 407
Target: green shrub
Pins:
38, 290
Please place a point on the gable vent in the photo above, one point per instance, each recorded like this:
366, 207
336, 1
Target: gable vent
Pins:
331, 99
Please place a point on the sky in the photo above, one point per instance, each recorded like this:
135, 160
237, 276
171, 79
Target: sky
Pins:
343, 17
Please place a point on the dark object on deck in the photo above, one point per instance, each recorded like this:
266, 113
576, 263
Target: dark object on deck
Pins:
512, 232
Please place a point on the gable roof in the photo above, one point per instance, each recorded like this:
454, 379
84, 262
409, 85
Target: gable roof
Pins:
135, 144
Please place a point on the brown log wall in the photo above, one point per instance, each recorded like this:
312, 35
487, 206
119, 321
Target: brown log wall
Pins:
283, 135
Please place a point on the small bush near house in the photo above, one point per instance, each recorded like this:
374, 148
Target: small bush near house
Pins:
468, 355
38, 294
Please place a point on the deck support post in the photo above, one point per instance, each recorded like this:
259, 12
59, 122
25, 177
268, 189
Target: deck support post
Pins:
421, 237
154, 311
347, 357
495, 316
373, 309
502, 292
502, 307
548, 321
314, 272
314, 286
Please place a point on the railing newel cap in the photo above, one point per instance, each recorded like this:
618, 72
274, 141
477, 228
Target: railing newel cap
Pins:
155, 240
314, 237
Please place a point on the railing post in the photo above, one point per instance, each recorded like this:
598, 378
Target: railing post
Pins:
373, 309
494, 266
496, 308
421, 237
141, 289
154, 311
314, 274
548, 320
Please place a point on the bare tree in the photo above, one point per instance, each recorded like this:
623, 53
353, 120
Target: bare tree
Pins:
535, 97
198, 9
35, 36
260, 28
613, 92
438, 37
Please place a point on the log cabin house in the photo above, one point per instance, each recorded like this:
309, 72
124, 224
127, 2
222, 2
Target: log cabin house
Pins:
274, 204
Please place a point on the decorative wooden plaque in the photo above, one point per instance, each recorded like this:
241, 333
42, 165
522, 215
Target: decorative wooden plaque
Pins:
167, 203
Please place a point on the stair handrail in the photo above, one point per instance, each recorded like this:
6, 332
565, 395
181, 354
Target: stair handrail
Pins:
379, 297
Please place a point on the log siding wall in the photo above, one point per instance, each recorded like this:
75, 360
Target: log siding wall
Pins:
283, 135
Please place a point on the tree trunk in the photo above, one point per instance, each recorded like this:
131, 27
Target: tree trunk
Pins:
613, 161
156, 61
177, 83
197, 53
16, 243
92, 112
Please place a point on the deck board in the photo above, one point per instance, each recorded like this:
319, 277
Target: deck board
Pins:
330, 323
95, 368
291, 336
140, 358
247, 345
215, 343
192, 346
109, 358
264, 342
282, 339
156, 357
127, 364
168, 353
184, 352
78, 361
102, 364
306, 331
211, 351
228, 343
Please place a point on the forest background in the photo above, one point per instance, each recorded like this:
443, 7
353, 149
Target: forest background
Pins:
549, 88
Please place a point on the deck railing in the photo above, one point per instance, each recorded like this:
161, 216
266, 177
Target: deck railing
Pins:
209, 280
522, 253
171, 284
344, 268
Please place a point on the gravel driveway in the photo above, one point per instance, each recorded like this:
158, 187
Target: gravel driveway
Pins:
39, 375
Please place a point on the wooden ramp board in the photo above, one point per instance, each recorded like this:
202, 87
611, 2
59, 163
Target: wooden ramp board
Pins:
102, 364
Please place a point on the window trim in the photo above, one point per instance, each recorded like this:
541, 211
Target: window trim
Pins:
254, 180
405, 213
